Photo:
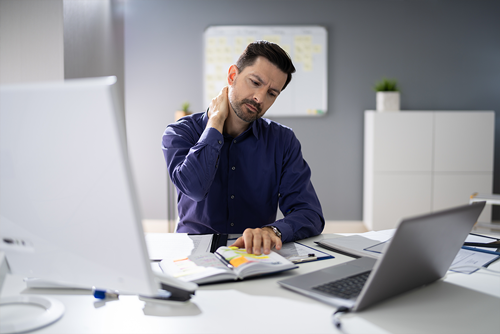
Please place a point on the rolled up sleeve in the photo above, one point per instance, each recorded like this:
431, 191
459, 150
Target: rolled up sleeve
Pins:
192, 159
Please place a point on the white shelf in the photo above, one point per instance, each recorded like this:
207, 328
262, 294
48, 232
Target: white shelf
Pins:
422, 161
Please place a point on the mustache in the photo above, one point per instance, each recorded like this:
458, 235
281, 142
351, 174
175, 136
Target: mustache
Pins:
252, 103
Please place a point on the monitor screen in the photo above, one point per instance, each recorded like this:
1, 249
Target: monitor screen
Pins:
68, 209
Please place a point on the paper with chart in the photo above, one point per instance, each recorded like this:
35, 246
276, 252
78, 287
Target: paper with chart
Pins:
298, 253
306, 95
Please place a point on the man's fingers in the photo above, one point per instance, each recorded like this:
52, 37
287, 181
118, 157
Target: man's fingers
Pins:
222, 99
248, 239
266, 242
219, 103
257, 241
278, 243
240, 243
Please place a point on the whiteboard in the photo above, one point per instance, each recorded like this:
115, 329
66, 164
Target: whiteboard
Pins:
306, 95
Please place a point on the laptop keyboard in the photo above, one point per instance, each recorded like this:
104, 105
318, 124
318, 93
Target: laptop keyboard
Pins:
346, 288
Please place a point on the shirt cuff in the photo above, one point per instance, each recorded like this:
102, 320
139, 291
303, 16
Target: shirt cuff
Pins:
212, 137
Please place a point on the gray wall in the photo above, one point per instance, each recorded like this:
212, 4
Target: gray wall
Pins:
445, 55
94, 40
31, 41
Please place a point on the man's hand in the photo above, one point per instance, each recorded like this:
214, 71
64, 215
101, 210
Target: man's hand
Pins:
219, 110
255, 239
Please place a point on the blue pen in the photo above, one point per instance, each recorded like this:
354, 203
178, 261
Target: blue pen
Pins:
104, 294
481, 250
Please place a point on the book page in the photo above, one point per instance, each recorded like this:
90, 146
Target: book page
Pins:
198, 268
245, 264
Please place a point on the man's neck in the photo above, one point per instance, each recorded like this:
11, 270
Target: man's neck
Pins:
233, 125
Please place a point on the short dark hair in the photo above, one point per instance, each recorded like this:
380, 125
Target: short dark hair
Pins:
272, 52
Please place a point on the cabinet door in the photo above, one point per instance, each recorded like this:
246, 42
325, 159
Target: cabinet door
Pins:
403, 141
453, 189
399, 195
464, 141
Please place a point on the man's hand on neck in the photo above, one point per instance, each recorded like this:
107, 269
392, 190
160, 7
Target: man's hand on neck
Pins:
223, 118
218, 111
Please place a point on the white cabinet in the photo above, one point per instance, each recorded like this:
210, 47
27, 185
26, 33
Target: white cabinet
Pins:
422, 161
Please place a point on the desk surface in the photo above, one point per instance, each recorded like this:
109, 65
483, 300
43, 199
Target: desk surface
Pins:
458, 304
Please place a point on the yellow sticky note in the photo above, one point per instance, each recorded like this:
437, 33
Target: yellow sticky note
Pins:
307, 66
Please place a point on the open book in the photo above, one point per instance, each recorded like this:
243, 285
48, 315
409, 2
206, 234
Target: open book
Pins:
226, 264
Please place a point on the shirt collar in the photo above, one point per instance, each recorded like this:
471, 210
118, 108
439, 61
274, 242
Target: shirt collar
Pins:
256, 128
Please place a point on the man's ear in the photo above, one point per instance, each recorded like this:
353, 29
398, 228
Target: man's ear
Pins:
231, 74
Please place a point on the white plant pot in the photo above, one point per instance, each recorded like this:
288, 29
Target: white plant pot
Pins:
388, 101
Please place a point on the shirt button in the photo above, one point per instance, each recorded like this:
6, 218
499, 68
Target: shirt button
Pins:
232, 224
233, 168
232, 196
220, 142
234, 141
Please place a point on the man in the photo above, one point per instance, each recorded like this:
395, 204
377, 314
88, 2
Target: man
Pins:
231, 167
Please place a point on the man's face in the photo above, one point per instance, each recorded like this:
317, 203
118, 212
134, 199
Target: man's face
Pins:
253, 91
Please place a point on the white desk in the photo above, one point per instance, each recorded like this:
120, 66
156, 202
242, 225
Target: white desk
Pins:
459, 304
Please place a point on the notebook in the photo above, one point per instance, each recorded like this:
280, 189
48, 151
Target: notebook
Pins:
420, 252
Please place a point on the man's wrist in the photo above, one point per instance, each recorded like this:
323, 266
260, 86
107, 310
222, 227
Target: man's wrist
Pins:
275, 231
216, 122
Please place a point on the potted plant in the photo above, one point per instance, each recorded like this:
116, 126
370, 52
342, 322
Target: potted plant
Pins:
387, 95
184, 111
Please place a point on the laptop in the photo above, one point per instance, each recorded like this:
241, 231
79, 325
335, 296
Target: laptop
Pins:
420, 252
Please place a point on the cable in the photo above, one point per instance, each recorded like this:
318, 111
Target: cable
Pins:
336, 315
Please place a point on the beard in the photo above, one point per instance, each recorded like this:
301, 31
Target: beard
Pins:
246, 115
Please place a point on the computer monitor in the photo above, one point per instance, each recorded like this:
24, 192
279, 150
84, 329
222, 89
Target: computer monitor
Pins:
68, 206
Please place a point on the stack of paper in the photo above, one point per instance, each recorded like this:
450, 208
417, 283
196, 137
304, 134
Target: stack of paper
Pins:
372, 244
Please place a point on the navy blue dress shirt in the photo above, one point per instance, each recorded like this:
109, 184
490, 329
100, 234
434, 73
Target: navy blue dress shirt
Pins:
226, 184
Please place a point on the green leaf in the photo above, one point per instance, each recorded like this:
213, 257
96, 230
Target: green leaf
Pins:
185, 106
386, 85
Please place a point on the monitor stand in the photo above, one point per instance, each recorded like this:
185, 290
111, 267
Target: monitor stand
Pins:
51, 309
